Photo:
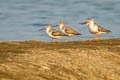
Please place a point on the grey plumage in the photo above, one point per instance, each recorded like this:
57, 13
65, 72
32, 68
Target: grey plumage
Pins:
56, 32
102, 29
69, 30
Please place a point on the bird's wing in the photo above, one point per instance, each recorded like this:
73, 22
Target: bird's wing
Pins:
102, 29
57, 33
70, 30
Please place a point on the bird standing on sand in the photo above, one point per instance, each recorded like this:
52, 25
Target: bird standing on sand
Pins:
95, 28
67, 30
53, 33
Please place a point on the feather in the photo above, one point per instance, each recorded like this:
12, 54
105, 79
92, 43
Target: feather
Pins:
70, 30
102, 29
57, 33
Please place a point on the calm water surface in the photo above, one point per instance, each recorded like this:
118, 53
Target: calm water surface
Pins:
21, 19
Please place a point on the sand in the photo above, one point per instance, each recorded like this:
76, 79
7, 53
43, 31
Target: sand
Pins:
75, 60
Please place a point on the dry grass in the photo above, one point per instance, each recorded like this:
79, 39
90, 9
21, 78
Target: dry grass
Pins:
77, 60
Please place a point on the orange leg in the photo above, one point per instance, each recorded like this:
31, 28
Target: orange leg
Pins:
96, 36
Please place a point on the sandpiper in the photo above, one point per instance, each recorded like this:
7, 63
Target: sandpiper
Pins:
67, 30
53, 33
95, 28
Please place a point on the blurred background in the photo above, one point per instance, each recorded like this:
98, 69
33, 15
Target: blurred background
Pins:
21, 19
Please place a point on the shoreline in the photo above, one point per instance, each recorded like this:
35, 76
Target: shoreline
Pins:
60, 40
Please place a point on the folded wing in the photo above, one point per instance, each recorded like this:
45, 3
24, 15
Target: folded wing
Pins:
101, 29
71, 31
57, 33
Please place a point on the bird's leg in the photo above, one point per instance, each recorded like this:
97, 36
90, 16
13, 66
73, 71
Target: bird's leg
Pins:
66, 39
90, 38
69, 38
52, 40
57, 40
96, 36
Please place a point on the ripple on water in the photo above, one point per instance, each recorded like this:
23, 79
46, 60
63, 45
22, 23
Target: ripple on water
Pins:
2, 16
38, 24
107, 8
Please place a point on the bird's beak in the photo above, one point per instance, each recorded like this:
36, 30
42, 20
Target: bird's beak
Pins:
82, 23
55, 25
41, 29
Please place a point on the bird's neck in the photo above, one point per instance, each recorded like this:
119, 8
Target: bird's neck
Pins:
61, 26
91, 24
48, 30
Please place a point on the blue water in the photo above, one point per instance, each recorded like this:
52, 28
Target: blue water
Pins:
21, 19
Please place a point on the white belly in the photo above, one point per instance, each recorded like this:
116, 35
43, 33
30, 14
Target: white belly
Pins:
70, 34
63, 31
93, 29
54, 37
102, 33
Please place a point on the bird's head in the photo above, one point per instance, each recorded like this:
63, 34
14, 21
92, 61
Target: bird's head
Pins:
60, 24
88, 21
48, 27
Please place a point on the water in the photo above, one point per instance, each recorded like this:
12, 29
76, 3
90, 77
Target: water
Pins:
21, 19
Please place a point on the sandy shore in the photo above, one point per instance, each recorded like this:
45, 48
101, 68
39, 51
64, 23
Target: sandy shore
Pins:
77, 60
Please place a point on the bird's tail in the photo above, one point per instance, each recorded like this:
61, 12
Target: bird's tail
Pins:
109, 31
78, 34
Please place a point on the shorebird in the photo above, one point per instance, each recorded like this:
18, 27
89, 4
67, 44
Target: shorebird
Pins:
95, 28
67, 30
53, 33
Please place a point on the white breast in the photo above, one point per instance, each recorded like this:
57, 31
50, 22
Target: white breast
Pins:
63, 30
93, 28
50, 34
